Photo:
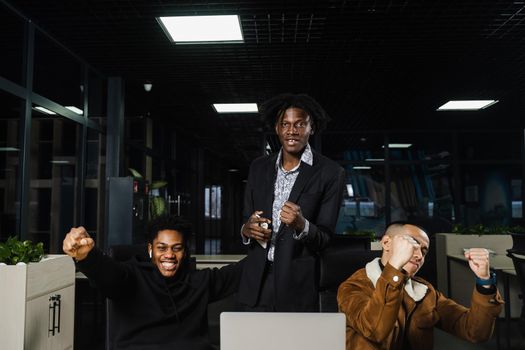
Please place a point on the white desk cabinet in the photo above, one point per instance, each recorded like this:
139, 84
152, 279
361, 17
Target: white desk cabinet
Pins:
37, 304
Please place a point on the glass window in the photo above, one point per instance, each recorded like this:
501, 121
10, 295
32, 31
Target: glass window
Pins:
363, 206
213, 202
53, 180
421, 191
58, 76
12, 44
97, 94
490, 145
10, 148
95, 185
420, 146
491, 194
354, 147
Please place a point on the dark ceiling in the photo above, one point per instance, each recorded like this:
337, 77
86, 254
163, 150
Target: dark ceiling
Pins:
373, 65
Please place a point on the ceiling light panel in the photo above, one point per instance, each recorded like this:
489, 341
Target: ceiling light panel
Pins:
235, 107
399, 145
202, 29
75, 110
44, 110
466, 105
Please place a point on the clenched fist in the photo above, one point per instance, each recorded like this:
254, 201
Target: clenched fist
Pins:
478, 260
77, 243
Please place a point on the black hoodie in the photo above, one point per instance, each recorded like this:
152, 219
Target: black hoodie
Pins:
153, 311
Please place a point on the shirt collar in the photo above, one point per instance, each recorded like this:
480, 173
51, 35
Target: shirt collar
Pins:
414, 289
307, 157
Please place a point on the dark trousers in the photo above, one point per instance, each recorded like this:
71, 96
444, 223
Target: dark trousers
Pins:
266, 299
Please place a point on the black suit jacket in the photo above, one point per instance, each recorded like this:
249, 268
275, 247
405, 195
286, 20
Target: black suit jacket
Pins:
318, 191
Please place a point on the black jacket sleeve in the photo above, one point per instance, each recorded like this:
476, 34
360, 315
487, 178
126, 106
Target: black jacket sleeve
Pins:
321, 230
112, 278
225, 281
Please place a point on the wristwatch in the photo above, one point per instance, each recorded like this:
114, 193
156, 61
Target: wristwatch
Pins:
487, 282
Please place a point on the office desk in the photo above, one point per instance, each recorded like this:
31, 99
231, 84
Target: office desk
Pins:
211, 261
459, 272
461, 280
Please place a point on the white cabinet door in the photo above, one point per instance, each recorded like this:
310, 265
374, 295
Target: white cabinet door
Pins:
50, 320
64, 339
37, 323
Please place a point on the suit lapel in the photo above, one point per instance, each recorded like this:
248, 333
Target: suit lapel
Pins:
305, 174
269, 176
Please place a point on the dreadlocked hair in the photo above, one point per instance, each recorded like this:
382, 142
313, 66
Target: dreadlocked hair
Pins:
272, 109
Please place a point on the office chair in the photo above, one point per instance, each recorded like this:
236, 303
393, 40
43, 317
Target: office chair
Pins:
337, 264
518, 258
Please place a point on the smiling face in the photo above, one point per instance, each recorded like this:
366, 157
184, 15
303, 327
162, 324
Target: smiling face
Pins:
167, 251
294, 128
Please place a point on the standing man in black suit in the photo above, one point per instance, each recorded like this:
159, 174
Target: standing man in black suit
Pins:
291, 205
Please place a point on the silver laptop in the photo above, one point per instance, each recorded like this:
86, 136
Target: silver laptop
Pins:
282, 331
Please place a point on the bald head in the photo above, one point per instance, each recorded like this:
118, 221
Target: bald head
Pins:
412, 233
394, 229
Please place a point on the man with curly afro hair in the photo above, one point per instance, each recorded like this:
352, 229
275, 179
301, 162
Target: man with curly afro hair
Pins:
291, 204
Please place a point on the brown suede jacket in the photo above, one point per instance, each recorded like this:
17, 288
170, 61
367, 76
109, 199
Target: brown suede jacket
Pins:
379, 317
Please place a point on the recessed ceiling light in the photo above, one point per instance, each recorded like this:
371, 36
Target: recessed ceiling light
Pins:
75, 110
233, 170
359, 167
399, 145
199, 29
44, 110
466, 105
235, 107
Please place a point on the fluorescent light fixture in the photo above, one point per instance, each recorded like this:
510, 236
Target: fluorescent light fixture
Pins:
236, 107
44, 110
60, 162
399, 145
199, 29
466, 105
75, 110
9, 149
359, 167
374, 160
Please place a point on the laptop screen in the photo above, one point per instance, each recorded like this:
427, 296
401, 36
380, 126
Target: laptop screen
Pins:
286, 331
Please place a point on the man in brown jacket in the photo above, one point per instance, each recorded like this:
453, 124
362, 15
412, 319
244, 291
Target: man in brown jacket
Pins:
387, 307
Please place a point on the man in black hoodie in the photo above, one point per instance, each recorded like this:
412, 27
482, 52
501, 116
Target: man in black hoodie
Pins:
159, 302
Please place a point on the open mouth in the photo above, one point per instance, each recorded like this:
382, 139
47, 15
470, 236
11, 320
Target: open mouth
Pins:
168, 265
292, 142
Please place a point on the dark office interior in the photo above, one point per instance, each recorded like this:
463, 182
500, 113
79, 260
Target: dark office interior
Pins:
145, 133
